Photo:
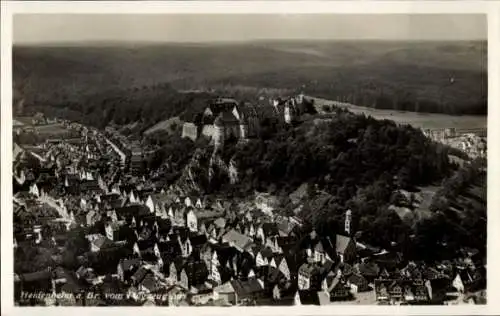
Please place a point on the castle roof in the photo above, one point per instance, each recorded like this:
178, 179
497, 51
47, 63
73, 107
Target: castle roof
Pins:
224, 118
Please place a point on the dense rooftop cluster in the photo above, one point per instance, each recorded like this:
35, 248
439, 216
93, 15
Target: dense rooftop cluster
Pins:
89, 218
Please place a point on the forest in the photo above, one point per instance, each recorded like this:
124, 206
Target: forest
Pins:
436, 77
143, 106
359, 163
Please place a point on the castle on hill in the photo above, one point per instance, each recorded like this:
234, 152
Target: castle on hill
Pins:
226, 118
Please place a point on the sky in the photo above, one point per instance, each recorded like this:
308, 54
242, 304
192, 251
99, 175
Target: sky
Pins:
53, 28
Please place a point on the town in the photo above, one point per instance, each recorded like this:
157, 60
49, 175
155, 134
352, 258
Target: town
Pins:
106, 231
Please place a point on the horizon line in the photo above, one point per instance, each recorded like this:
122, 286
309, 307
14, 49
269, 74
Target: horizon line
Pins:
159, 42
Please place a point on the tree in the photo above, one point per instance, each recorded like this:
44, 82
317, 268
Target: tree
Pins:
76, 245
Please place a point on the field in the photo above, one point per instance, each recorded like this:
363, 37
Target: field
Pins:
166, 125
419, 120
51, 129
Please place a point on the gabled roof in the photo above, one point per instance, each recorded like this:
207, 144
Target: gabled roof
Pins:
102, 242
270, 229
327, 266
341, 243
136, 210
245, 288
161, 198
150, 282
357, 279
319, 247
237, 239
273, 275
368, 269
308, 269
225, 288
128, 264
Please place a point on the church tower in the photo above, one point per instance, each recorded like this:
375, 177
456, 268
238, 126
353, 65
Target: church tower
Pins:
347, 224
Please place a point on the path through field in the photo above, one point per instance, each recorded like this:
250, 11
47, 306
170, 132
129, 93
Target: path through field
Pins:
420, 120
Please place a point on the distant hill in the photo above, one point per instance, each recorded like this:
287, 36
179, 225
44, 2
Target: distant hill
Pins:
447, 77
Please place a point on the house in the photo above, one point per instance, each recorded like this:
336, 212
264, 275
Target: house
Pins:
226, 293
472, 279
309, 277
263, 255
157, 204
99, 242
144, 246
403, 290
127, 267
237, 240
92, 217
458, 283
336, 287
168, 250
345, 248
285, 264
249, 290
201, 294
87, 274
319, 254
176, 294
90, 187
191, 221
111, 230
369, 270
196, 273
312, 298
150, 284
358, 283
175, 269
238, 292
136, 210
139, 275
185, 246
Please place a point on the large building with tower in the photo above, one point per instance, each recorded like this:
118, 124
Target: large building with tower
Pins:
225, 118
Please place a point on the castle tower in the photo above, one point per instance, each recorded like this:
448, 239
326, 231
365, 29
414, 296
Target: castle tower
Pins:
347, 224
288, 113
300, 98
218, 133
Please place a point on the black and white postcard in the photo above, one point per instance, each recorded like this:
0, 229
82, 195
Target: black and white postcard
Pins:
180, 155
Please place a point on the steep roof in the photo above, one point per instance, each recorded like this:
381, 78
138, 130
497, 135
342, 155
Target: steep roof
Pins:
161, 198
270, 229
341, 243
245, 288
368, 269
239, 241
128, 264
